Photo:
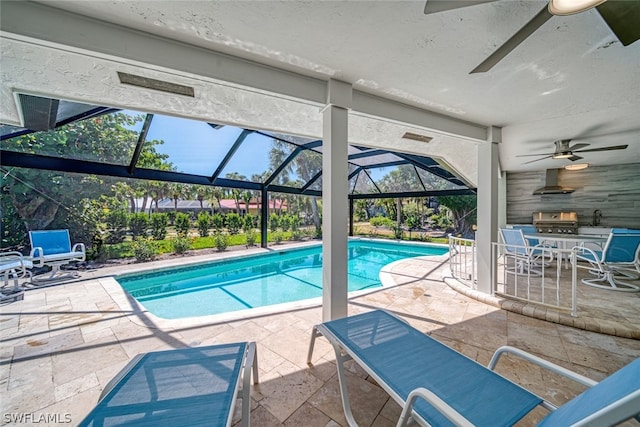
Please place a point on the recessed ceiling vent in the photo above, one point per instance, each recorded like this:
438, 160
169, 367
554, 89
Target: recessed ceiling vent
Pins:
148, 83
38, 113
416, 137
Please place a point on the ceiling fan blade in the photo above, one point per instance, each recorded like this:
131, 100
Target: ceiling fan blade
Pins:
539, 154
435, 6
613, 147
543, 16
578, 146
623, 17
536, 160
574, 158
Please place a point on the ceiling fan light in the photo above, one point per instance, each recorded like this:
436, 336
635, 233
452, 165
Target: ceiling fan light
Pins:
569, 7
563, 155
576, 166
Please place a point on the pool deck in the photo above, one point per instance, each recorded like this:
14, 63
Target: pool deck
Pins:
62, 344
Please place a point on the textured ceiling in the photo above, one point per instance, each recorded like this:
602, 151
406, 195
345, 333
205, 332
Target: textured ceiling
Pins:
570, 79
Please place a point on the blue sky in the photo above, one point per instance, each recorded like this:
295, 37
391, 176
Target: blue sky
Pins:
195, 147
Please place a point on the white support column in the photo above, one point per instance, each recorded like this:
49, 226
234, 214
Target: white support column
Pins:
488, 171
335, 206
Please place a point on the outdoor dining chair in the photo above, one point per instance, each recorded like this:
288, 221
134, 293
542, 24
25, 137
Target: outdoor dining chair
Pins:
520, 257
617, 264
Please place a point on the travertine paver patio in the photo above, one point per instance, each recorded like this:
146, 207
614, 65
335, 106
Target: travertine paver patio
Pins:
62, 344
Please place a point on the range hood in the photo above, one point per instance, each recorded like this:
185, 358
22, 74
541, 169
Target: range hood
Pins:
551, 185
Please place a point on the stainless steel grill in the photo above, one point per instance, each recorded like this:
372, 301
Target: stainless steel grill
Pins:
556, 222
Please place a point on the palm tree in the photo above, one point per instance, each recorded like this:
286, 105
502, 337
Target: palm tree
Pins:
216, 198
305, 165
203, 193
178, 192
246, 196
235, 193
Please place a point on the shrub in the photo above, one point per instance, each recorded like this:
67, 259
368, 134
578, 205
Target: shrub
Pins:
181, 245
285, 222
413, 221
203, 222
218, 222
144, 249
247, 223
234, 223
159, 223
138, 223
117, 221
172, 217
182, 224
251, 238
221, 241
274, 222
277, 237
296, 235
380, 221
397, 230
294, 221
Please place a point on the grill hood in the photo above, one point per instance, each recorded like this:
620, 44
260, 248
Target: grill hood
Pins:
551, 185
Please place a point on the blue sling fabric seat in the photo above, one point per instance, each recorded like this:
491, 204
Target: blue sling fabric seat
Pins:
192, 386
616, 264
521, 258
53, 248
438, 386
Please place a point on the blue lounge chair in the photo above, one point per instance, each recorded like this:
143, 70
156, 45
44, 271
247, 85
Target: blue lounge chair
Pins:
194, 386
53, 248
438, 386
614, 264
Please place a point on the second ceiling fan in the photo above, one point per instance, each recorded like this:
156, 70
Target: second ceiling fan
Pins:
622, 16
566, 151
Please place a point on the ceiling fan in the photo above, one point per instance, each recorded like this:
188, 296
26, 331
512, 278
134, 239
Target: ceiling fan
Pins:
566, 151
622, 16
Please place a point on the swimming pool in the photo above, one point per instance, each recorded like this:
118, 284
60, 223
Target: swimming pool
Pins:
260, 280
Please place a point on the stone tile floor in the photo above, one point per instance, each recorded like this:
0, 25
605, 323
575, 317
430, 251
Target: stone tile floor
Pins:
62, 344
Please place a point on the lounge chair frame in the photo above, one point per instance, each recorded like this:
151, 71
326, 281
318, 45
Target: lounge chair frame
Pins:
616, 412
14, 267
239, 386
53, 248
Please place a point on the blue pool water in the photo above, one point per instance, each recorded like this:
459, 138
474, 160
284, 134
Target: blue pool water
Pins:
260, 280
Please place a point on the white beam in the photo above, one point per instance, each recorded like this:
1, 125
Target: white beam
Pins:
377, 106
335, 207
487, 208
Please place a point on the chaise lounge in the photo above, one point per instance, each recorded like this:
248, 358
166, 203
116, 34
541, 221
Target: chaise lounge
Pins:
53, 248
194, 386
438, 386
